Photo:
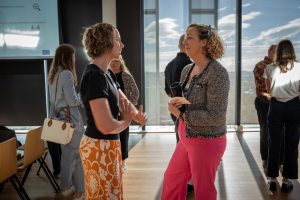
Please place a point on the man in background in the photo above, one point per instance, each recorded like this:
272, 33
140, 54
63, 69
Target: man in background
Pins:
173, 71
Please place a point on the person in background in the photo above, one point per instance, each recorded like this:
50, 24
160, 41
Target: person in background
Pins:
262, 102
283, 78
62, 81
130, 89
108, 113
173, 71
202, 127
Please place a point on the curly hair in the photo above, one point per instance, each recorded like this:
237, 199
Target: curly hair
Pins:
285, 54
63, 59
98, 39
215, 47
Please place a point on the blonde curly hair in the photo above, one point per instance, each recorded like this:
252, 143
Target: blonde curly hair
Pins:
98, 39
215, 47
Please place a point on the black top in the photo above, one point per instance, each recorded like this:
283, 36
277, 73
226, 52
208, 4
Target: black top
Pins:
96, 84
173, 70
120, 80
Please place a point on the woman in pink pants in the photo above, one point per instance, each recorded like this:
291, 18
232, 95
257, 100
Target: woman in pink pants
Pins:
202, 126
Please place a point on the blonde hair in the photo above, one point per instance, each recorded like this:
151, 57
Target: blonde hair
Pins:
63, 58
123, 66
215, 47
98, 39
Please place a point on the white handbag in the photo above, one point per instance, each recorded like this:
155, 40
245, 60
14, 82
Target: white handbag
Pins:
57, 131
60, 132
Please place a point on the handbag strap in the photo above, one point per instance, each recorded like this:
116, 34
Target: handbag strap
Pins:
55, 92
64, 109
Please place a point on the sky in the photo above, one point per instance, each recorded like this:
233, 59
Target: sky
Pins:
264, 22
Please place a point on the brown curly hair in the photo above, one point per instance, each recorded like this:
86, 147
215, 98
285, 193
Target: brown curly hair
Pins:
215, 47
98, 39
63, 59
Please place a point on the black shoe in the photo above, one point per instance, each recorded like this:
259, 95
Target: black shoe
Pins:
190, 189
287, 187
272, 186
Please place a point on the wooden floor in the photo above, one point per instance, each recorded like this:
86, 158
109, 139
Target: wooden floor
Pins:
240, 175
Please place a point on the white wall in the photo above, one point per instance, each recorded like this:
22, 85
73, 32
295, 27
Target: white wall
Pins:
109, 11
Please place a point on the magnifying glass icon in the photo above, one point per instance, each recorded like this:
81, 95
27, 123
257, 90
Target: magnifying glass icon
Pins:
36, 6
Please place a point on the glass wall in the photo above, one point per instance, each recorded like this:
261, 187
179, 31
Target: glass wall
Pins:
226, 29
263, 23
164, 22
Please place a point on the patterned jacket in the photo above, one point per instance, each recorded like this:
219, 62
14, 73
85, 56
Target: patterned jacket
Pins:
130, 88
208, 94
258, 72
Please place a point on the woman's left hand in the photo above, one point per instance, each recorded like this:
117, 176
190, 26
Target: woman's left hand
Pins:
140, 116
174, 109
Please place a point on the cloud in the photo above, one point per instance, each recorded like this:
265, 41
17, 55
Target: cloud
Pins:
246, 5
222, 9
250, 16
227, 24
289, 30
167, 32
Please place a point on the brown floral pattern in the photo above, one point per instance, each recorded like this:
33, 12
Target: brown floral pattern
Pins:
258, 72
101, 160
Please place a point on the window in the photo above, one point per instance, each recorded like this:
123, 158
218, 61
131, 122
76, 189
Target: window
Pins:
263, 26
166, 20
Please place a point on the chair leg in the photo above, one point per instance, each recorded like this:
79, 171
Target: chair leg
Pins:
49, 174
2, 186
38, 172
19, 188
26, 174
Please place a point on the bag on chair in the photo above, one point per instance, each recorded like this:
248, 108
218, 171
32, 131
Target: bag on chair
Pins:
57, 131
60, 132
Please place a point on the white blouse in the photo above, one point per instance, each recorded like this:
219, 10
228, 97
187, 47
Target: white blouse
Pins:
284, 86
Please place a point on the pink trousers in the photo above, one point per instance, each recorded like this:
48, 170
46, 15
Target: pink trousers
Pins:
197, 159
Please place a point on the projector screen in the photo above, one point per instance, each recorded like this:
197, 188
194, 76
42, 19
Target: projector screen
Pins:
28, 29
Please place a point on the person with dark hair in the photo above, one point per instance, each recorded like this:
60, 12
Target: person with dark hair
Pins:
173, 71
202, 126
130, 89
108, 113
283, 78
62, 81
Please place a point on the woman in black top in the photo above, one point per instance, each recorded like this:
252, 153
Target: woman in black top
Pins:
108, 113
130, 89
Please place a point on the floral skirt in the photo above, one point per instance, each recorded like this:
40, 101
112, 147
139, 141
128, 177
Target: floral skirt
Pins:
101, 160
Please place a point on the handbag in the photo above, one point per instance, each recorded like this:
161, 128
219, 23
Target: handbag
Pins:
57, 131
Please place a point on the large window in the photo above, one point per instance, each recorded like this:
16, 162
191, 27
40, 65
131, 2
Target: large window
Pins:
164, 22
264, 24
226, 29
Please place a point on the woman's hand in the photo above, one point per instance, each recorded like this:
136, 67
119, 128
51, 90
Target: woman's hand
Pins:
173, 108
126, 110
179, 101
140, 116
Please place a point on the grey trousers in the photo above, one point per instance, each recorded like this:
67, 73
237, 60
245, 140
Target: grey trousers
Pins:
71, 166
